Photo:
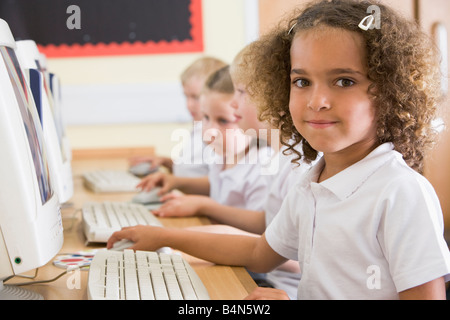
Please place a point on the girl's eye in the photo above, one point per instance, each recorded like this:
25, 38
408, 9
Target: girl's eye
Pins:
301, 83
206, 117
345, 83
223, 121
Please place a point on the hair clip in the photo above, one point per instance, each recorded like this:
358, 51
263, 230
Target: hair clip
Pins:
365, 26
292, 28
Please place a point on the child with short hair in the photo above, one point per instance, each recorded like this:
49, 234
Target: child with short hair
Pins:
190, 162
234, 177
363, 222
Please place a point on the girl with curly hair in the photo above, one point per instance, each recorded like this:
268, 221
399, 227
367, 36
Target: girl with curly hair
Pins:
362, 90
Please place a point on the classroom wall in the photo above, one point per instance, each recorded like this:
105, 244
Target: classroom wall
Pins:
137, 100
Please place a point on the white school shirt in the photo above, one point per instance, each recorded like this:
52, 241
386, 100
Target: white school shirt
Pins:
244, 185
369, 232
194, 159
285, 176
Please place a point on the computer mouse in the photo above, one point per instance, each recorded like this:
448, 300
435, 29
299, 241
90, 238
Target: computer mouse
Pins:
122, 245
125, 244
145, 197
142, 169
165, 250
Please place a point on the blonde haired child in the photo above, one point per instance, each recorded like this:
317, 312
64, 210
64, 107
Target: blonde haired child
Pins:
234, 179
190, 161
362, 223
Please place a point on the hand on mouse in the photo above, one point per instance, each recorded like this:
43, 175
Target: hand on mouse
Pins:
144, 237
182, 206
155, 161
159, 179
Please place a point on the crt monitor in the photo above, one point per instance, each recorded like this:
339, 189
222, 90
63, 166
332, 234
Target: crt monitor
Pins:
55, 89
31, 232
61, 167
30, 57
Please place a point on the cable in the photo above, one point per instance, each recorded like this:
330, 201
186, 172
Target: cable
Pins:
28, 277
22, 276
50, 280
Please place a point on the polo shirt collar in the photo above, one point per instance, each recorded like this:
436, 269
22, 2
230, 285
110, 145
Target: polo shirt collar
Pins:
346, 182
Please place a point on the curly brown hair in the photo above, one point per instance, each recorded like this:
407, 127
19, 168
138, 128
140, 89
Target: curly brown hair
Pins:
403, 67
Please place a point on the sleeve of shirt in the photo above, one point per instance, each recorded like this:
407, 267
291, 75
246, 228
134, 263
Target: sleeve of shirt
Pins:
255, 193
411, 234
282, 232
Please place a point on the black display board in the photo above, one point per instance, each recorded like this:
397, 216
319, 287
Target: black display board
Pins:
67, 23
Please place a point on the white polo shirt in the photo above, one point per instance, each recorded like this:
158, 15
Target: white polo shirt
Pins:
285, 176
194, 157
369, 232
244, 185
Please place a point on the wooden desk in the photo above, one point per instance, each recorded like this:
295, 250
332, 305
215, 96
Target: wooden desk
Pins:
222, 282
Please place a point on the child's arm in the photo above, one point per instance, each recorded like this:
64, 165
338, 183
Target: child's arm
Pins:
193, 185
235, 250
247, 220
432, 290
168, 182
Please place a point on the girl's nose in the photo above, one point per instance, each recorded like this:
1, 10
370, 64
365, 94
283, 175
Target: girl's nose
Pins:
233, 102
319, 99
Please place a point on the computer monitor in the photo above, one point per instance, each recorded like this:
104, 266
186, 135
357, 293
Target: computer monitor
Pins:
31, 232
55, 89
43, 61
33, 58
60, 166
28, 54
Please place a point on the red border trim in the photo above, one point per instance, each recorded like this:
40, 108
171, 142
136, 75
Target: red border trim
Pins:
136, 48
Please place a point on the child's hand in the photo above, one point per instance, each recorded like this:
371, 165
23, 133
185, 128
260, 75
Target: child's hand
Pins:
158, 179
171, 195
181, 205
144, 237
154, 161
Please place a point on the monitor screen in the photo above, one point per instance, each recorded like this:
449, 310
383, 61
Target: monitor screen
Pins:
35, 81
53, 106
35, 138
53, 85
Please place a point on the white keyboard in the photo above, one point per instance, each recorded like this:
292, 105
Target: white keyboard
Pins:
143, 275
101, 219
111, 181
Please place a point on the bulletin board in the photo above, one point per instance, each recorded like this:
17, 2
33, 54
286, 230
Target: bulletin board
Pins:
106, 27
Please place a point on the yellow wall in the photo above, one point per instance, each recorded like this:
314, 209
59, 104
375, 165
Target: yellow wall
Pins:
224, 36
